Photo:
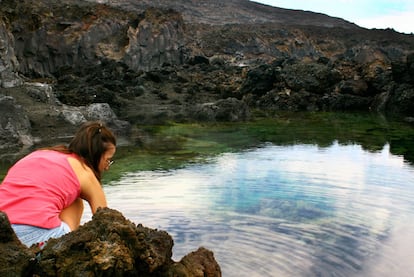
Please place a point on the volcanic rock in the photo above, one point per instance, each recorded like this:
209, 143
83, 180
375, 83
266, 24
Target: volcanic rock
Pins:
108, 245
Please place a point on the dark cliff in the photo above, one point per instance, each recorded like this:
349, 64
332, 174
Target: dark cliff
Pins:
129, 62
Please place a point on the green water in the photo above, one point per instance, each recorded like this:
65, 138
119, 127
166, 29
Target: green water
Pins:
175, 145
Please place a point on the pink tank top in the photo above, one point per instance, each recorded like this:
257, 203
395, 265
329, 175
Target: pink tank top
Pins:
38, 187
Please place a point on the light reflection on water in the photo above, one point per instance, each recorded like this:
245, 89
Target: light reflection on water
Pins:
283, 210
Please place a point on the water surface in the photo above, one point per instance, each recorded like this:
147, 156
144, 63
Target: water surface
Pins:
296, 210
314, 194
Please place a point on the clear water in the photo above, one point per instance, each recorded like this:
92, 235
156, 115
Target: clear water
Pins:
297, 210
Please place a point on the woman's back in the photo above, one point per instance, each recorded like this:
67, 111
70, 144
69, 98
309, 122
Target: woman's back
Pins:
38, 187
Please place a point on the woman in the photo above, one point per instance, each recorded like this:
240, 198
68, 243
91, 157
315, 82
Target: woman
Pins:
42, 193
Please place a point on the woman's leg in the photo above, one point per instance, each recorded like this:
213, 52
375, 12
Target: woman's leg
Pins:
72, 214
30, 235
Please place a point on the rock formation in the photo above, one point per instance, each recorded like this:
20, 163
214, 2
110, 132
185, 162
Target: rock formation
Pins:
108, 245
149, 62
15, 258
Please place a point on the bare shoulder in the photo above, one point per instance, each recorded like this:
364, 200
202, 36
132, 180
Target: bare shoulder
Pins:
83, 172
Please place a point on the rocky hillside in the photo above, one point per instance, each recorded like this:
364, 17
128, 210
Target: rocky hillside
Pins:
143, 62
216, 12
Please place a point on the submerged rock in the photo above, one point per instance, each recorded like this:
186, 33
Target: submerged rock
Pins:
108, 245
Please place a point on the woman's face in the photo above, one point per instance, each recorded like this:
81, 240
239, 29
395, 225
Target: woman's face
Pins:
106, 159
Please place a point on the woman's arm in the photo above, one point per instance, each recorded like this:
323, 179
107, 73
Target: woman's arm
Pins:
92, 192
90, 188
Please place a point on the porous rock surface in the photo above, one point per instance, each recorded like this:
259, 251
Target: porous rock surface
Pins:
108, 245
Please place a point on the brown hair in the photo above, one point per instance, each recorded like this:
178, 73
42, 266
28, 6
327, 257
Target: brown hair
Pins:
90, 143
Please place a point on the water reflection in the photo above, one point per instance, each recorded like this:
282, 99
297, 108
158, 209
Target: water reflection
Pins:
298, 210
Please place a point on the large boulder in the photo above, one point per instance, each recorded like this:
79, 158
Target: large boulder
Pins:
259, 80
224, 110
108, 245
313, 77
75, 116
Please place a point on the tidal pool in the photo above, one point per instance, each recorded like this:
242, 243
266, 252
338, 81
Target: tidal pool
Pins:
282, 210
313, 194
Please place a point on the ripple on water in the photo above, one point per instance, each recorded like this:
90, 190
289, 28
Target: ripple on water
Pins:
283, 211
